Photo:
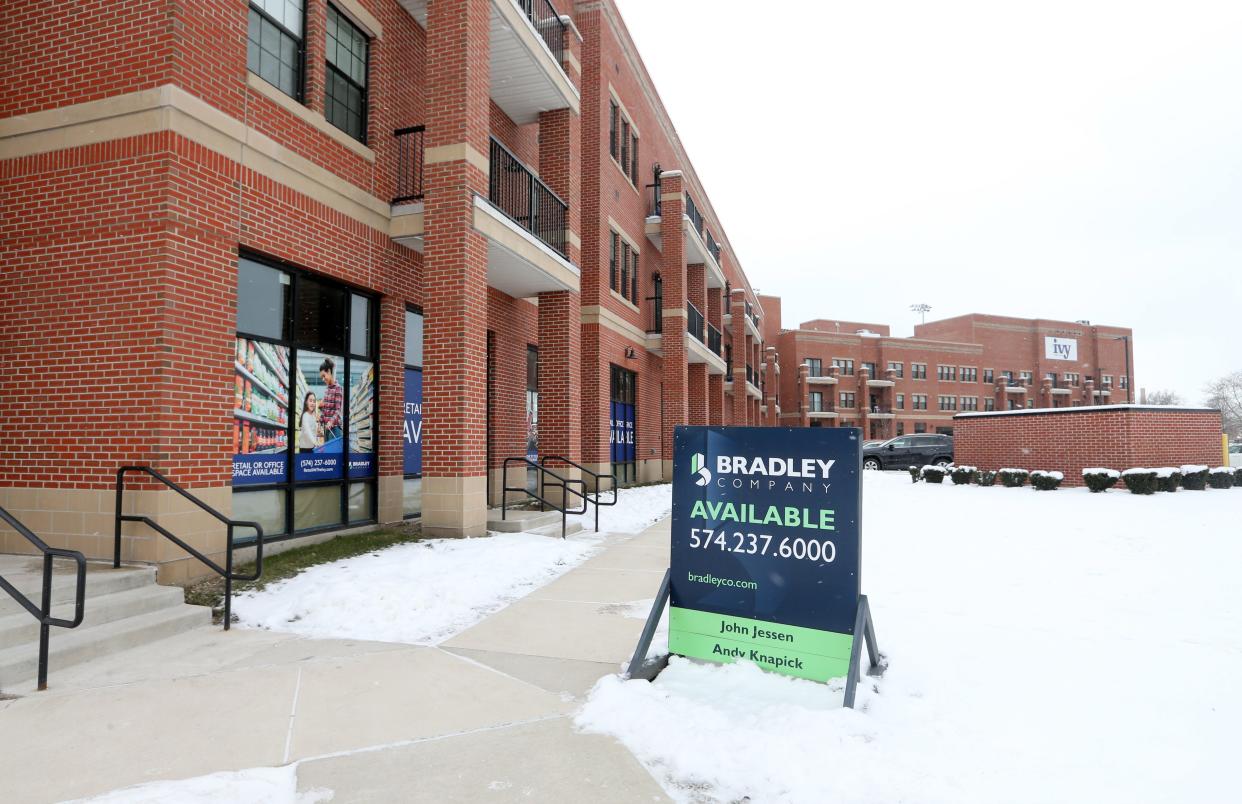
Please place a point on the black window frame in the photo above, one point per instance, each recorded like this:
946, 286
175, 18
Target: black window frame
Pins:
613, 118
633, 157
331, 70
300, 38
297, 275
613, 272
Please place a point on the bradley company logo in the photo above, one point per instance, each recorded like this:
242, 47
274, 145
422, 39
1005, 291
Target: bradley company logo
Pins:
698, 467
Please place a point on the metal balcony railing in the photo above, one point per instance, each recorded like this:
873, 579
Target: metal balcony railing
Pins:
751, 376
548, 24
409, 164
695, 323
516, 191
712, 245
714, 341
696, 217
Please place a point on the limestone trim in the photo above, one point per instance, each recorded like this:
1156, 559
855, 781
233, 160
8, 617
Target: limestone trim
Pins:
497, 226
457, 152
603, 317
360, 16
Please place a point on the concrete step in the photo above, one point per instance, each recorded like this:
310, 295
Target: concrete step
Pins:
516, 521
21, 628
19, 663
26, 573
554, 529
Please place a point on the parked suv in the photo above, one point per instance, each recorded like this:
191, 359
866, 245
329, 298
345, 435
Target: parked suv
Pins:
910, 450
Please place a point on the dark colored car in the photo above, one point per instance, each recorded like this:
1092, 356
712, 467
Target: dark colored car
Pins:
910, 450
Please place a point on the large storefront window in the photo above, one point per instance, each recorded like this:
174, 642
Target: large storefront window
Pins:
412, 496
304, 405
621, 437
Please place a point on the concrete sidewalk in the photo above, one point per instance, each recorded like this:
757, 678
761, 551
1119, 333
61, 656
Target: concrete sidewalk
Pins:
483, 717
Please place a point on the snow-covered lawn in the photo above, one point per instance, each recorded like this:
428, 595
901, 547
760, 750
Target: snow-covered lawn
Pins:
421, 593
636, 510
1045, 647
266, 785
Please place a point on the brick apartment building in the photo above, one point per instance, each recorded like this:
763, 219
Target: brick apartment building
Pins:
331, 262
856, 374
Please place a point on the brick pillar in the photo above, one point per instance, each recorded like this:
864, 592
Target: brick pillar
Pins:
316, 46
804, 395
391, 487
715, 382
673, 272
696, 399
773, 385
741, 356
455, 268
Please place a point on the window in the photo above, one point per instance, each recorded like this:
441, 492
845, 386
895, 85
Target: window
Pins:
625, 268
634, 159
412, 427
1125, 381
345, 82
304, 404
634, 276
1007, 376
1026, 377
870, 369
1072, 379
988, 376
989, 404
613, 271
970, 403
897, 368
815, 367
623, 446
918, 371
947, 402
625, 144
918, 401
846, 365
847, 399
614, 117
901, 428
920, 427
1051, 375
901, 401
946, 373
817, 401
970, 374
274, 43
1014, 405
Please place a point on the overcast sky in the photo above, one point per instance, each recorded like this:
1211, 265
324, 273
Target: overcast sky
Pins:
1057, 159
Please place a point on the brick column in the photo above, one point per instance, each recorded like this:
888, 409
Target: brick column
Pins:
772, 386
673, 272
804, 395
316, 47
696, 373
455, 267
741, 356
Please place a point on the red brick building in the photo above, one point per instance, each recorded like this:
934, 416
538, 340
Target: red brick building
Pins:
846, 373
331, 262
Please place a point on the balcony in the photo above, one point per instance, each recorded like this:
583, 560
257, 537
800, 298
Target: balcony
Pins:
822, 414
1014, 386
526, 57
820, 380
752, 382
1057, 387
881, 412
695, 324
406, 226
700, 246
872, 382
700, 343
714, 340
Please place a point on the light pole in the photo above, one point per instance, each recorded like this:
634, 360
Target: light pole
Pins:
922, 310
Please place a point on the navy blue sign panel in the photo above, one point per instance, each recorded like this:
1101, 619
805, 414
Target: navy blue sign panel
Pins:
412, 453
766, 524
621, 439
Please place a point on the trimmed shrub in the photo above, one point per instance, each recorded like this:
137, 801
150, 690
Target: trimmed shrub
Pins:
987, 478
934, 474
1194, 477
1013, 478
914, 474
1099, 480
963, 475
1168, 478
1221, 478
1046, 481
1140, 481
1237, 478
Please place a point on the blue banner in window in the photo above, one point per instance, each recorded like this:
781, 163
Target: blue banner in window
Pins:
256, 469
413, 425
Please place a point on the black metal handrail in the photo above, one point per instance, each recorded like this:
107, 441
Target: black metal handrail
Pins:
516, 191
409, 164
592, 496
656, 202
548, 24
713, 339
226, 571
712, 245
695, 323
696, 217
43, 611
751, 377
657, 313
558, 481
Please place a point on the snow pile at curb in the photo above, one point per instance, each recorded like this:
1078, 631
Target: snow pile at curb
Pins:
267, 785
420, 593
636, 510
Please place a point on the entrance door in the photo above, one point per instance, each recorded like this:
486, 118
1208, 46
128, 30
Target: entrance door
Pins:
622, 429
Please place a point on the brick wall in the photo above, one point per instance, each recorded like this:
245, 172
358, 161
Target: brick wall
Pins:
1068, 441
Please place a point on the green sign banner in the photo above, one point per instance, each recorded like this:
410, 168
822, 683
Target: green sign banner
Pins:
788, 649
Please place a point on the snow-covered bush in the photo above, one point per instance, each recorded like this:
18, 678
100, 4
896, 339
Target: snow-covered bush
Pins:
1013, 478
1221, 478
1168, 478
987, 478
934, 474
1194, 477
963, 475
1046, 481
1237, 478
1099, 479
1140, 481
914, 474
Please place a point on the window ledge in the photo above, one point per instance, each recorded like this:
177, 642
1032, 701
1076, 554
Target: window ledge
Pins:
309, 116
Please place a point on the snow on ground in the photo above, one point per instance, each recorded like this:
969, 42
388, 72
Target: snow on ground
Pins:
253, 786
422, 593
1044, 646
637, 509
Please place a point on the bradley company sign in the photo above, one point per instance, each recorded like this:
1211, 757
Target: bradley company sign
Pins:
765, 547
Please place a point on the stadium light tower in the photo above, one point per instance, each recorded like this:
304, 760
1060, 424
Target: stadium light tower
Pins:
922, 310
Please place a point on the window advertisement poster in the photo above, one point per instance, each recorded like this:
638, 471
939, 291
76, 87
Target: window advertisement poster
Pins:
361, 419
260, 413
413, 425
320, 405
621, 437
765, 547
